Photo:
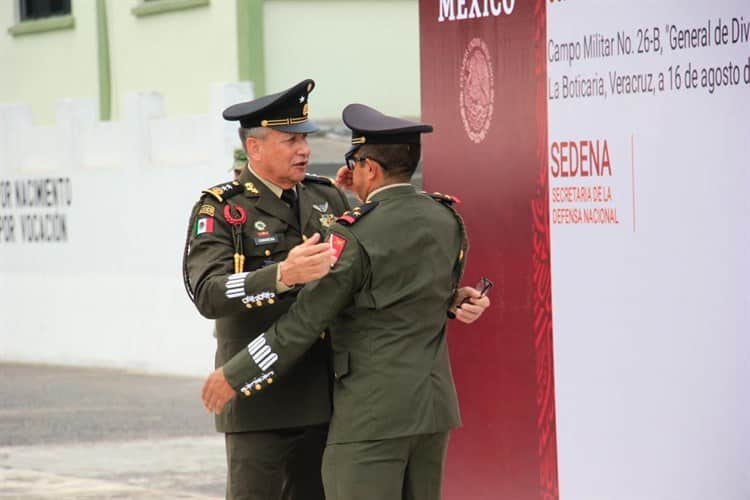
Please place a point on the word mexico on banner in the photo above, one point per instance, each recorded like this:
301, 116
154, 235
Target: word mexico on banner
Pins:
459, 10
34, 210
582, 189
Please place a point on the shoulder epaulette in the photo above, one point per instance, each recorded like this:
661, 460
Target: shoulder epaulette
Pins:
318, 179
225, 191
349, 218
443, 198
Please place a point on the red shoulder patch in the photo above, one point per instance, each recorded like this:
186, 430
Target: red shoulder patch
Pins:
347, 218
338, 243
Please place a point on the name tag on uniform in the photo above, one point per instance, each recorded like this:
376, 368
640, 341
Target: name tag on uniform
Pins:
267, 240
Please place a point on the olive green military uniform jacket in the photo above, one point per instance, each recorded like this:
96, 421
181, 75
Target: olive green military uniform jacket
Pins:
245, 303
385, 303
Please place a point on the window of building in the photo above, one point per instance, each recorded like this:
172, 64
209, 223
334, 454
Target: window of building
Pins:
39, 16
39, 9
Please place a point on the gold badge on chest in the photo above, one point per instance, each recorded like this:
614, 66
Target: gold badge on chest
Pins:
326, 220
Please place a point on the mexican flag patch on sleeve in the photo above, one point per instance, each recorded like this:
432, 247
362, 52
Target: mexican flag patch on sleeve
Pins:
204, 225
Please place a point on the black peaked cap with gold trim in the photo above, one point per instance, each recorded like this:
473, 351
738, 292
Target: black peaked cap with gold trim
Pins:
370, 126
285, 111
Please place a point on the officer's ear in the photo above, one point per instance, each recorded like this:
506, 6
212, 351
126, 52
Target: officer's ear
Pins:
254, 148
373, 169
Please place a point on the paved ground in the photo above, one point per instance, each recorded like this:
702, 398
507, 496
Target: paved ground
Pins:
75, 433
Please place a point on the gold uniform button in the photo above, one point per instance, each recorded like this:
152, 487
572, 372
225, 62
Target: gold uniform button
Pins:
259, 303
258, 387
249, 306
271, 301
270, 381
246, 393
268, 252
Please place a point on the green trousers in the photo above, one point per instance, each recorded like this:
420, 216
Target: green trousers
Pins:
275, 465
407, 468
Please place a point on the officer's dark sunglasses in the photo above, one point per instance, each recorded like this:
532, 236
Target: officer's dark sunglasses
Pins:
351, 161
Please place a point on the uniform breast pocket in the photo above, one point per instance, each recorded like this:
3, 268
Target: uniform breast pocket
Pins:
265, 249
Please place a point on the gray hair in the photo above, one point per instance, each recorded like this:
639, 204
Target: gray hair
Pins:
255, 132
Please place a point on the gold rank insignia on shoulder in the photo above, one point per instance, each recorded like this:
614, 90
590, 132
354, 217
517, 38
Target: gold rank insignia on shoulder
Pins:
225, 191
351, 217
250, 188
443, 198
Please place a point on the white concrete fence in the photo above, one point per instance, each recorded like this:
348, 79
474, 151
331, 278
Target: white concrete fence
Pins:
93, 217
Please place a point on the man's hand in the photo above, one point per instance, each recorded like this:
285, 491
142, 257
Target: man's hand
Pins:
216, 392
344, 178
306, 262
472, 309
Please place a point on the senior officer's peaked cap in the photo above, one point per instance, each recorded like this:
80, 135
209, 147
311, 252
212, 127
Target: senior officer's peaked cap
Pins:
285, 111
370, 126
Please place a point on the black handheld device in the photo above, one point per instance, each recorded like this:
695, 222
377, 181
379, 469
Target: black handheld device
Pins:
484, 286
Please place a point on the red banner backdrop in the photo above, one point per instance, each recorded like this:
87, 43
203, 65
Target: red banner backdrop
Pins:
483, 71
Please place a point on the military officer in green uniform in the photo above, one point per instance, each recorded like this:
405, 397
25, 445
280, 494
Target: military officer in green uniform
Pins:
252, 243
398, 259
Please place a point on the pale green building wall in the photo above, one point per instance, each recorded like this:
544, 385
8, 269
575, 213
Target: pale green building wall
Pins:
178, 53
42, 68
356, 51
